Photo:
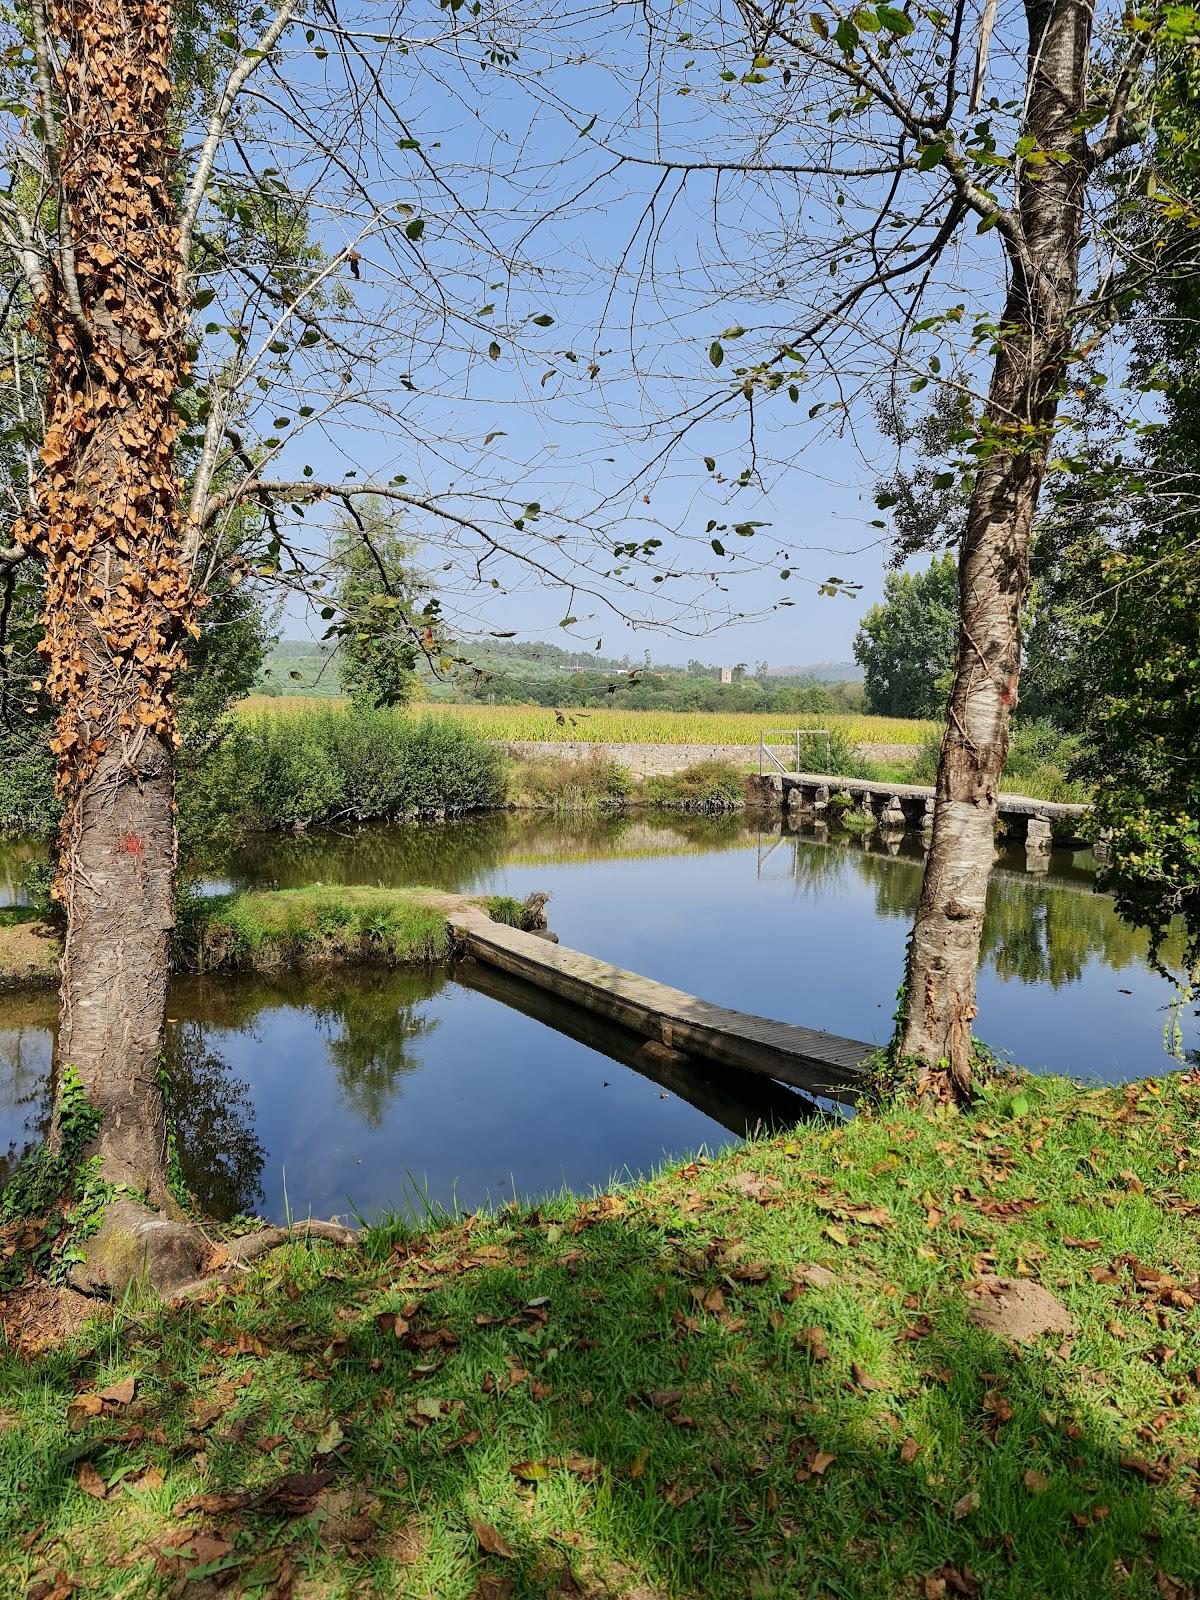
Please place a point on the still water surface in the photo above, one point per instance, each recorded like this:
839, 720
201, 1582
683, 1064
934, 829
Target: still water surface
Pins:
372, 1088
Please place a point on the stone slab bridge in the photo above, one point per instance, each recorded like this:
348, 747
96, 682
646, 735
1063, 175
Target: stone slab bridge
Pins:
896, 807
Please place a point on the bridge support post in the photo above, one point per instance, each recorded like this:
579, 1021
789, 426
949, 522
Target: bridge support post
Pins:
1037, 844
927, 822
892, 819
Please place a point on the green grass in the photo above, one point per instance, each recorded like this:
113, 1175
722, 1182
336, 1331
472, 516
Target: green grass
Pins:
706, 787
550, 783
263, 928
643, 1394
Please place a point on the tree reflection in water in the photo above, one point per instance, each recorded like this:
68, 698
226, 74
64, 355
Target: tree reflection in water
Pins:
220, 1156
370, 1018
461, 854
25, 1085
1036, 930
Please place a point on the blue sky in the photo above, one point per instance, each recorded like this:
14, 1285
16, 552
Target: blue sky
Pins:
529, 215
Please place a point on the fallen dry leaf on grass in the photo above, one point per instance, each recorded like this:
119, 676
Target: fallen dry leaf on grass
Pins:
536, 1471
120, 1394
1036, 1482
863, 1379
663, 1399
81, 1408
753, 1186
292, 1495
90, 1481
490, 1542
493, 1586
206, 1547
964, 1507
817, 1277
813, 1339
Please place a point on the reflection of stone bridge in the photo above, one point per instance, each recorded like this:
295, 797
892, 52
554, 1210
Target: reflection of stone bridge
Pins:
896, 807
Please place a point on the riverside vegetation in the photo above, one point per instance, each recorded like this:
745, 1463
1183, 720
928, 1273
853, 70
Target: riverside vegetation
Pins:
287, 771
757, 1376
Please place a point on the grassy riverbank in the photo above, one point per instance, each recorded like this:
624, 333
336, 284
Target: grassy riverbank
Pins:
755, 1377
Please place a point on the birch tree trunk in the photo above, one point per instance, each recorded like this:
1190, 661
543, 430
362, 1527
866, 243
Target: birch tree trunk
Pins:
105, 522
1034, 344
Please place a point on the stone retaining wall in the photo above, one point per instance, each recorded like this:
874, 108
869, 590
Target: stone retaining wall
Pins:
658, 760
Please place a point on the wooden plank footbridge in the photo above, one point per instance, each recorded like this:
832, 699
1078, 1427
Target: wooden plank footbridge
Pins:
677, 1030
675, 1024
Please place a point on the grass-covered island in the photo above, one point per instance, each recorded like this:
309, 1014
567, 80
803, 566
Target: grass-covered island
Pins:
265, 929
759, 1376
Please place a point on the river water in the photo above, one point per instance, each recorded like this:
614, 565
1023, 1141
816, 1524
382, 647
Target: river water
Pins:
368, 1091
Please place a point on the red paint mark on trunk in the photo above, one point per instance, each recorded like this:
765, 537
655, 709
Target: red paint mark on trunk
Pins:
130, 845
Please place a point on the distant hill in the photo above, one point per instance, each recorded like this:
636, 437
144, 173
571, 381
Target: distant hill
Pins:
821, 671
532, 667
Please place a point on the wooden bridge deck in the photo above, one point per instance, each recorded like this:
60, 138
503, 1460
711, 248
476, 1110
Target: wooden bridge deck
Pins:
821, 1063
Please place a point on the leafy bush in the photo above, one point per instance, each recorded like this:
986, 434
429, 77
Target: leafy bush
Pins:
836, 755
708, 786
559, 784
288, 771
1040, 762
28, 803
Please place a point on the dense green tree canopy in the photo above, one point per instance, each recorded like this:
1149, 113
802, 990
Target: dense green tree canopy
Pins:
905, 645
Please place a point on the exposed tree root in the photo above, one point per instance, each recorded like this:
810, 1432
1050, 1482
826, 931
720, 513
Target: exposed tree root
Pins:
139, 1248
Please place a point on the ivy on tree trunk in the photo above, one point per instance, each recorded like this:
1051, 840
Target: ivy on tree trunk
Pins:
105, 521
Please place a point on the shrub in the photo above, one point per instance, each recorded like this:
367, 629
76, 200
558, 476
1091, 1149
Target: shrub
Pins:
558, 784
836, 755
1040, 760
28, 803
334, 765
713, 786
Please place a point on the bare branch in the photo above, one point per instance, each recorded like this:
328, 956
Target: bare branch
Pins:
250, 62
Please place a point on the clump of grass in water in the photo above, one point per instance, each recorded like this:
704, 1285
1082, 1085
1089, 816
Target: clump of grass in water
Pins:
709, 786
260, 929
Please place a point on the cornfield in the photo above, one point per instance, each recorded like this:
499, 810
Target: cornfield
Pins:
540, 724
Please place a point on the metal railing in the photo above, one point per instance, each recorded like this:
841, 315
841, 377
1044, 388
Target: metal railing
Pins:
771, 739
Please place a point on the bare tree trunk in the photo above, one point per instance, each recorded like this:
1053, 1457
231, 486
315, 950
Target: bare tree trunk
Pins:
119, 863
105, 522
1034, 345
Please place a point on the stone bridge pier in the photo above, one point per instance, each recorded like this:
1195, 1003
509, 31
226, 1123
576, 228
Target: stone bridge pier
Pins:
894, 809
